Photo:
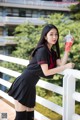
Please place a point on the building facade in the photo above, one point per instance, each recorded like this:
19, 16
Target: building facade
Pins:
13, 12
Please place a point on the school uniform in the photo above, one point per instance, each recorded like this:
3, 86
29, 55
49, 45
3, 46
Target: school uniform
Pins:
23, 88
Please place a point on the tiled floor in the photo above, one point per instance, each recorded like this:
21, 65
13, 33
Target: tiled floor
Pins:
6, 108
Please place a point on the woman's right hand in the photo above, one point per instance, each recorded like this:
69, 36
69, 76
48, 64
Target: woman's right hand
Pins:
69, 40
69, 65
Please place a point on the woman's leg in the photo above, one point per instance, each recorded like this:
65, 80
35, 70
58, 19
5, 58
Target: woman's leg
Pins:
30, 113
19, 106
20, 111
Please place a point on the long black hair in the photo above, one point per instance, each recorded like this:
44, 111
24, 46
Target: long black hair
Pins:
42, 40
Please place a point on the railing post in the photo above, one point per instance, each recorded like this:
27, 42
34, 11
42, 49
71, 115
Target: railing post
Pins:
68, 101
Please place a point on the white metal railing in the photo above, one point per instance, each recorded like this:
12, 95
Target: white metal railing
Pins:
67, 91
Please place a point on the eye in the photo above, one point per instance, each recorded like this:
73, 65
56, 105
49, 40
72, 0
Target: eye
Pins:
51, 34
56, 34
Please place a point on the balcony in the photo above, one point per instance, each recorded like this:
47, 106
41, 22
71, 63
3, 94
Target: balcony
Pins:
7, 41
45, 5
70, 76
17, 20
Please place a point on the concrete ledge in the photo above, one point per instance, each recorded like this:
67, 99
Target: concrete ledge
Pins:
6, 108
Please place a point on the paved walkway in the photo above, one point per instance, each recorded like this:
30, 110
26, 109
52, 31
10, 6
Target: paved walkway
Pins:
6, 108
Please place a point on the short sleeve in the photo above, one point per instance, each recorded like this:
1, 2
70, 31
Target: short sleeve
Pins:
42, 56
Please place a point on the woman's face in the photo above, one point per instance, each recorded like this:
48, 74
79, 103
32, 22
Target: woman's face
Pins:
52, 37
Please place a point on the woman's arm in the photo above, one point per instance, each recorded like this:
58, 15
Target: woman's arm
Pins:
53, 71
63, 61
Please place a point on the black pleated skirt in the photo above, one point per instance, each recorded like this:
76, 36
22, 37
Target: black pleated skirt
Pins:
23, 88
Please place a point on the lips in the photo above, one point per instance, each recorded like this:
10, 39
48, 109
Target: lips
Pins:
54, 40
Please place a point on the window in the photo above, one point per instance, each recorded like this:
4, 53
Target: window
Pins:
9, 12
0, 11
34, 14
15, 12
28, 13
22, 13
11, 30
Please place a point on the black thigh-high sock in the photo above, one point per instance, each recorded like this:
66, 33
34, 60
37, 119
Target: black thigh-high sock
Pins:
30, 115
21, 115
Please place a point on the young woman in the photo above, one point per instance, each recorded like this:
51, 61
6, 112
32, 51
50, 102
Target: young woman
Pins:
45, 62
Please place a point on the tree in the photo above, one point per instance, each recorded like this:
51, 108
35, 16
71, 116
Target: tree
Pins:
75, 9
